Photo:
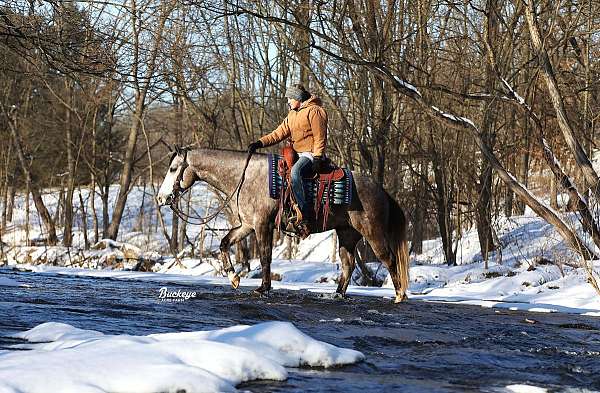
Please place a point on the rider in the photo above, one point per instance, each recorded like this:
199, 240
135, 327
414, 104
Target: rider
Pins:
306, 124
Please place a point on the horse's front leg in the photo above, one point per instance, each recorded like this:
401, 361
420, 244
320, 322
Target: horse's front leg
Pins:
232, 237
264, 238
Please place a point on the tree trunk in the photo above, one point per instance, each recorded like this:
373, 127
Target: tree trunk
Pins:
86, 241
553, 193
92, 192
302, 13
105, 213
58, 213
68, 205
418, 223
27, 213
141, 90
139, 223
30, 181
483, 213
488, 133
523, 169
443, 214
4, 205
12, 193
581, 158
127, 172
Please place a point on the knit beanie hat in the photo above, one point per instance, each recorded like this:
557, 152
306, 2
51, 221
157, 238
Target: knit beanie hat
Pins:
297, 93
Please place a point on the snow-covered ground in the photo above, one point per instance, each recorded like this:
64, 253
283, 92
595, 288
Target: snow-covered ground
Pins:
67, 359
533, 270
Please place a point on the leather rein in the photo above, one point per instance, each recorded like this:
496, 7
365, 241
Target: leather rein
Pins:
178, 192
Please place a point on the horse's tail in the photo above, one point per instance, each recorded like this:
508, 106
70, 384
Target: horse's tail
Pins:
398, 230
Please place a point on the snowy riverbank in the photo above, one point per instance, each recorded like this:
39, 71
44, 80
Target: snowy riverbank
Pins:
197, 362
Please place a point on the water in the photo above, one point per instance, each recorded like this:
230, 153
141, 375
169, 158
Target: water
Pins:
411, 347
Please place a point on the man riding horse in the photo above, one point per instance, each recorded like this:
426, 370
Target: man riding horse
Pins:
306, 125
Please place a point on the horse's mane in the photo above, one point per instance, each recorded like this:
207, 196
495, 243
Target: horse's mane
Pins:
236, 152
231, 152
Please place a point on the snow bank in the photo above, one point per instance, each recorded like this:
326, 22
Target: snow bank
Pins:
525, 389
278, 341
106, 254
64, 358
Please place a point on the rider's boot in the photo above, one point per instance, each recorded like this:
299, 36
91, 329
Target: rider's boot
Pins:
303, 225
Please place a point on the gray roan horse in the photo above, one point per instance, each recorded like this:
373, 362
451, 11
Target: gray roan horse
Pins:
373, 213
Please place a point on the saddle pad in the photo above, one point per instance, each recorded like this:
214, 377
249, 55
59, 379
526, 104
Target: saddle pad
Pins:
341, 190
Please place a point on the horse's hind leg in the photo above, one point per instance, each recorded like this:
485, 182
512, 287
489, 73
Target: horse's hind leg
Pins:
385, 255
232, 237
347, 238
384, 251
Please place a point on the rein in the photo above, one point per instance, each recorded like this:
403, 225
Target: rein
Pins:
178, 192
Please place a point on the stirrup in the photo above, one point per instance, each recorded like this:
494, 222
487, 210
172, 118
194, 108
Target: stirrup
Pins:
302, 229
296, 216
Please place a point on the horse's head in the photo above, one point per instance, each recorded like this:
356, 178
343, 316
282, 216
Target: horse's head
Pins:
176, 180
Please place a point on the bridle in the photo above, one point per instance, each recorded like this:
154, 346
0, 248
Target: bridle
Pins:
179, 191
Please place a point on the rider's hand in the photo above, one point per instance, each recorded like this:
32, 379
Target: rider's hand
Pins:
254, 146
318, 164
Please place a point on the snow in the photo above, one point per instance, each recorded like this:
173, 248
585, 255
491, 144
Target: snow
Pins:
204, 361
516, 95
453, 117
525, 389
407, 85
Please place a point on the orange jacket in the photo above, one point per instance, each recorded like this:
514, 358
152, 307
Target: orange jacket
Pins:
307, 126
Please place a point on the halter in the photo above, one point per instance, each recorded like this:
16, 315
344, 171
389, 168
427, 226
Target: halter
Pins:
178, 192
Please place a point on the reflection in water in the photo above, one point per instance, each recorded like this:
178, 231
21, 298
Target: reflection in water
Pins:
412, 347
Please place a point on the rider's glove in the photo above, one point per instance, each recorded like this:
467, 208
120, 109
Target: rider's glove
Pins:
254, 146
318, 164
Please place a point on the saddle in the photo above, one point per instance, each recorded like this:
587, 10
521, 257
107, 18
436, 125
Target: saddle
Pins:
332, 185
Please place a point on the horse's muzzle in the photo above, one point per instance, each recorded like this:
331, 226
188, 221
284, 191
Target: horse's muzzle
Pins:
164, 201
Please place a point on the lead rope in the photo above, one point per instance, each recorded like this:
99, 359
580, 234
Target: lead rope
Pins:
204, 220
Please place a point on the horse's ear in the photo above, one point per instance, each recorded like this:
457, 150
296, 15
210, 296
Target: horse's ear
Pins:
177, 149
173, 155
169, 148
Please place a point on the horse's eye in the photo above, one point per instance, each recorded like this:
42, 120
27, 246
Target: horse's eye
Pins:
172, 169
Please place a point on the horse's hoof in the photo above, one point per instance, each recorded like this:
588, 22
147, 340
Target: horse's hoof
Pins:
400, 298
338, 296
234, 279
260, 292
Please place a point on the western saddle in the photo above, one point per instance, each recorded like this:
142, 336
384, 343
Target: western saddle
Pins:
288, 208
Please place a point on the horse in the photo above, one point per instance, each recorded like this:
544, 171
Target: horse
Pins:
372, 214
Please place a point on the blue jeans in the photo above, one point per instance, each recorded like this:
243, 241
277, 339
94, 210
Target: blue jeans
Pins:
302, 168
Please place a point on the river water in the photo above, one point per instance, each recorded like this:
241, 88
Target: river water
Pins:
412, 347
